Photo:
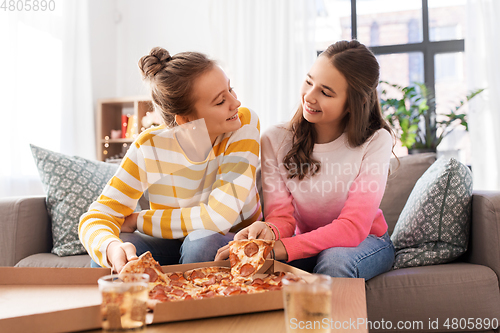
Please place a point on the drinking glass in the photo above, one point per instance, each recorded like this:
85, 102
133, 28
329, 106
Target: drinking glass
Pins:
124, 298
308, 302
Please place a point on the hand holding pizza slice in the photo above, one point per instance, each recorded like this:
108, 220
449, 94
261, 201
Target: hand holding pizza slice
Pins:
247, 257
145, 264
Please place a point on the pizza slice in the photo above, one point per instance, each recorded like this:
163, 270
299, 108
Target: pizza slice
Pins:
174, 287
247, 257
230, 290
267, 283
273, 279
208, 276
178, 281
145, 264
165, 293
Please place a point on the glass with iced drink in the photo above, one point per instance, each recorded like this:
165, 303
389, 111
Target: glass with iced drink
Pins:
124, 298
308, 303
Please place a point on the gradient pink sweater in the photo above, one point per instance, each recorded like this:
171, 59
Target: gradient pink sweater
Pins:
339, 206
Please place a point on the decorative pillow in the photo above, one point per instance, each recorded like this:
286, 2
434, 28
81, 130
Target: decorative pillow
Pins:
433, 227
72, 184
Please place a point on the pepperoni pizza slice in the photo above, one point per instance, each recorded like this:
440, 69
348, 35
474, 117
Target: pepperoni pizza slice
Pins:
208, 276
175, 288
230, 290
247, 257
148, 265
266, 283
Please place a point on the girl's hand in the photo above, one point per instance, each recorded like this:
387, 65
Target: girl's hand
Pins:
120, 253
130, 224
222, 253
256, 230
279, 252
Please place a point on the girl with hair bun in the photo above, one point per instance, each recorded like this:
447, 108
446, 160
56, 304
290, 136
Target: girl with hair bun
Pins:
198, 169
324, 174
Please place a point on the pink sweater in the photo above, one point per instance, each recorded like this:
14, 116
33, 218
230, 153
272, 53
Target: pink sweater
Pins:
339, 206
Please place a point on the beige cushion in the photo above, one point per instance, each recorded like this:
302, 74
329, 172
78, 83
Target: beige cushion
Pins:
52, 260
401, 182
25, 228
457, 290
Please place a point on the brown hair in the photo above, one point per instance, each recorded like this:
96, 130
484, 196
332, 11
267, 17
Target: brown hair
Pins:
171, 80
361, 70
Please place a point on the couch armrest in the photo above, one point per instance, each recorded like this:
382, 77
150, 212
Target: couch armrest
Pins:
484, 243
25, 228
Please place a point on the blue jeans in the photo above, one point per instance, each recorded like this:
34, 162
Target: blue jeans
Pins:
374, 256
198, 246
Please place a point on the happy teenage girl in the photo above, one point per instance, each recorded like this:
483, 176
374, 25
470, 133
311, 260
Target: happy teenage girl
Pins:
198, 169
325, 172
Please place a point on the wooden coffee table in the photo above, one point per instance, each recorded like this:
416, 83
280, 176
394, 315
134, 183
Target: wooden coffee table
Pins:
349, 307
69, 307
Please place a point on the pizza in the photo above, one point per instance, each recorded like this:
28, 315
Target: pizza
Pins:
248, 256
269, 282
207, 282
145, 264
208, 276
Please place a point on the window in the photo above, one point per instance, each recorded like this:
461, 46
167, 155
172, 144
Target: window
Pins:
414, 41
425, 31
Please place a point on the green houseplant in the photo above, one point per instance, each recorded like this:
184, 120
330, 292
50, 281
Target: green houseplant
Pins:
415, 122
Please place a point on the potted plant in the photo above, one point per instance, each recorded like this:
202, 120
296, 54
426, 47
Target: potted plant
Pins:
415, 122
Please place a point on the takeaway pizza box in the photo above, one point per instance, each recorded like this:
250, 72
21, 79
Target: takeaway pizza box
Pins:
68, 299
222, 306
49, 299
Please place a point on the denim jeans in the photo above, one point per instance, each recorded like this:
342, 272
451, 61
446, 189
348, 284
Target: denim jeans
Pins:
374, 256
198, 246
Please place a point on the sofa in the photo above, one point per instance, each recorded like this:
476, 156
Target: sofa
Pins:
462, 295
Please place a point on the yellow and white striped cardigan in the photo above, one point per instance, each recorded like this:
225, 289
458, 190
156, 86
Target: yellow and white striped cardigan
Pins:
218, 194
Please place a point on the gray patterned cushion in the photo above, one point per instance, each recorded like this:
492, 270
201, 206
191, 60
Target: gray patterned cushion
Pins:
433, 227
72, 184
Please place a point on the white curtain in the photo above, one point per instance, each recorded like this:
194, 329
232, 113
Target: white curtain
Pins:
45, 98
482, 46
78, 128
266, 48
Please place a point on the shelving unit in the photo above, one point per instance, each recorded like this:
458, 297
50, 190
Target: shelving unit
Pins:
109, 117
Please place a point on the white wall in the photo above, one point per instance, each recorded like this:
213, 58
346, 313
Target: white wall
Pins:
123, 31
103, 48
174, 25
264, 46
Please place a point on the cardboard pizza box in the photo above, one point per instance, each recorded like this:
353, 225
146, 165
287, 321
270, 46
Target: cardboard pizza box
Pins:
49, 299
68, 299
222, 306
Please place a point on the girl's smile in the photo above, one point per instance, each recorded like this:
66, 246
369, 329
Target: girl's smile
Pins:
233, 117
311, 110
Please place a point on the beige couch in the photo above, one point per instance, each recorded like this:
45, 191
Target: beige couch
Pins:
466, 288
